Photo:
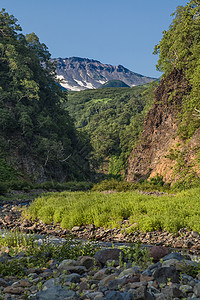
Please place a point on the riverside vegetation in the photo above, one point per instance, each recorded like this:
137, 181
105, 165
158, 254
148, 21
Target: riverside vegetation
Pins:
39, 142
145, 212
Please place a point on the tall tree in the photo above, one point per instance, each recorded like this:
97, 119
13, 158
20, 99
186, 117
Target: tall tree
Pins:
32, 119
180, 49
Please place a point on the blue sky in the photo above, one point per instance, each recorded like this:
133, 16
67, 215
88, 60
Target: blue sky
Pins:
112, 31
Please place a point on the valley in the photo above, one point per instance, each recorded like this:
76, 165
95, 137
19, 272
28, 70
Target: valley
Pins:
94, 151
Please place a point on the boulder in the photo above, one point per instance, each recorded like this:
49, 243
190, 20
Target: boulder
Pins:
158, 252
108, 254
164, 274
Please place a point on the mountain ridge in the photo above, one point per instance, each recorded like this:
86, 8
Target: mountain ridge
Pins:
76, 74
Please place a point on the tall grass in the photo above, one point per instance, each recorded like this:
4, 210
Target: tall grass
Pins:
147, 213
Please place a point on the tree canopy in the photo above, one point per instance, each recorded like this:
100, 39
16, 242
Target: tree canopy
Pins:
180, 49
33, 122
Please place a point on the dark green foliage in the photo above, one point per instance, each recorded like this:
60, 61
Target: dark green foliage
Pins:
113, 118
113, 84
7, 172
33, 124
179, 50
154, 184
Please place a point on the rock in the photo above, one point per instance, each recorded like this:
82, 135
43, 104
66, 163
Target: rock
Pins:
55, 293
173, 255
50, 283
164, 274
197, 289
67, 262
99, 275
141, 293
73, 269
130, 272
116, 283
83, 286
157, 252
13, 290
147, 272
109, 254
185, 288
172, 291
3, 283
76, 228
104, 282
24, 283
75, 278
113, 295
88, 262
160, 296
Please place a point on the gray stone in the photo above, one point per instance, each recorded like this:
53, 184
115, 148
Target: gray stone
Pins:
49, 283
160, 296
73, 269
67, 262
173, 255
164, 274
130, 272
141, 293
197, 289
113, 295
155, 266
104, 281
3, 283
172, 291
74, 278
13, 290
55, 293
99, 275
87, 262
95, 295
108, 254
116, 283
147, 272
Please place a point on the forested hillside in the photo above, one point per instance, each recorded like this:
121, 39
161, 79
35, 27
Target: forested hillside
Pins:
170, 142
113, 118
38, 140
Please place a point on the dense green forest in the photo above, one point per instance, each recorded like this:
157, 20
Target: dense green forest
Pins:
113, 118
38, 139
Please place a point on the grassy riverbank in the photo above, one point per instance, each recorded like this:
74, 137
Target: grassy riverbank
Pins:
145, 212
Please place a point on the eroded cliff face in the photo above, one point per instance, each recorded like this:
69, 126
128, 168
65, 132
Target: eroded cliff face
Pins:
160, 150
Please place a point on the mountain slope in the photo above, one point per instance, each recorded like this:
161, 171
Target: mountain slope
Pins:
113, 119
170, 142
113, 84
78, 74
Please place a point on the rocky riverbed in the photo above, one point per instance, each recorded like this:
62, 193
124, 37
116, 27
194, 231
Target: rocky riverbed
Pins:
10, 218
109, 274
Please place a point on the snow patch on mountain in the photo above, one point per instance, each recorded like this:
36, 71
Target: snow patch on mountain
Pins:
82, 73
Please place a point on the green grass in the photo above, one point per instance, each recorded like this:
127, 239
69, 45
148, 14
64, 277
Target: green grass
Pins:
147, 213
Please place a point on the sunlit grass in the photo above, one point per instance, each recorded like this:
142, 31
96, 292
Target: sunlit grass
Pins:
148, 213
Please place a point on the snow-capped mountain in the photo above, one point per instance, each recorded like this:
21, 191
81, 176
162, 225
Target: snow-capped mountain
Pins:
78, 74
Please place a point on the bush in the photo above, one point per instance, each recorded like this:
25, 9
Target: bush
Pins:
3, 188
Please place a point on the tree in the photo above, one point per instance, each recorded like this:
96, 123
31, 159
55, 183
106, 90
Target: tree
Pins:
32, 117
180, 49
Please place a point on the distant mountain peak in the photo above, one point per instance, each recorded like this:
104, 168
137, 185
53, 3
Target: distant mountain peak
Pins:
77, 73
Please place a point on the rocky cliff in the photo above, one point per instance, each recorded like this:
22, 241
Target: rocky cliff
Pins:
160, 150
78, 74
